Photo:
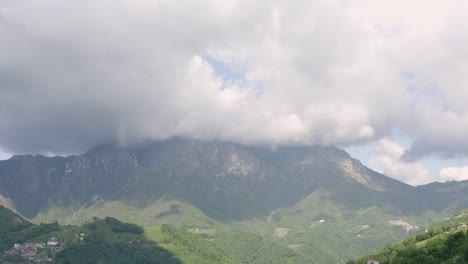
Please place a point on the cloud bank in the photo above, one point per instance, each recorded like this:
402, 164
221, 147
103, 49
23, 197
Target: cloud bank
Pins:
387, 156
78, 73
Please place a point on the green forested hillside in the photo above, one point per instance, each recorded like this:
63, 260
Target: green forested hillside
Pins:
223, 246
112, 241
101, 241
253, 249
109, 240
353, 232
444, 242
450, 248
344, 233
190, 248
14, 229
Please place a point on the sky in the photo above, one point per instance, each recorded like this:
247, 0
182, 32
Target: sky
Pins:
385, 80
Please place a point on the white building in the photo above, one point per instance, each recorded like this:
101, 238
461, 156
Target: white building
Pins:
53, 241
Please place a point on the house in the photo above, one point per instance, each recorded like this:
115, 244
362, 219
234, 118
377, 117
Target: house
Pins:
53, 241
322, 221
372, 262
461, 225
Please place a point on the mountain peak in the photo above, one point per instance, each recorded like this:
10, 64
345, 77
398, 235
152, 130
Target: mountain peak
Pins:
235, 180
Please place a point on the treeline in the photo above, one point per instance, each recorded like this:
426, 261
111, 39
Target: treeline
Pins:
105, 244
41, 229
120, 227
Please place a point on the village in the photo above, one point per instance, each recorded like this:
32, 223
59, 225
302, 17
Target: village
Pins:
32, 251
40, 252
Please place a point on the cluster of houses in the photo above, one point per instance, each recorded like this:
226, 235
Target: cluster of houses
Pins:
29, 251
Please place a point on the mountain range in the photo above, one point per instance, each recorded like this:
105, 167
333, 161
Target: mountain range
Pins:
316, 200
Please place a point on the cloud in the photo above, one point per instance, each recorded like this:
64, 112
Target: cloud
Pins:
454, 173
425, 40
440, 76
387, 158
3, 155
87, 72
78, 73
440, 130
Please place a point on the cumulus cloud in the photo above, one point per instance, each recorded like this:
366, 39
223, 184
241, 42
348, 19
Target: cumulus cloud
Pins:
454, 173
425, 40
387, 158
78, 73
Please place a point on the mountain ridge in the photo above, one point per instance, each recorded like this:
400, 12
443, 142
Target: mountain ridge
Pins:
108, 171
281, 194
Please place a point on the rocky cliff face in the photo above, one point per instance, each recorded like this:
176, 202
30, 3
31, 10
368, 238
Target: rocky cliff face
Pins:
223, 179
33, 182
28, 181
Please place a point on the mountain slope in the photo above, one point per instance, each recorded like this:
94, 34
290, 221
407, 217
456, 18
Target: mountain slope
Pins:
109, 240
280, 194
223, 179
444, 242
249, 248
102, 241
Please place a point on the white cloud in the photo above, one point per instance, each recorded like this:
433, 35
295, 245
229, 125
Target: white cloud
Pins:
4, 156
77, 73
387, 158
454, 173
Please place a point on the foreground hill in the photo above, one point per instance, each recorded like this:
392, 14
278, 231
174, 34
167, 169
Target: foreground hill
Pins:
444, 242
112, 241
102, 241
281, 194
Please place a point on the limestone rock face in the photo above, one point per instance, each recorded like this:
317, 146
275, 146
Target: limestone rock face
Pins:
221, 178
